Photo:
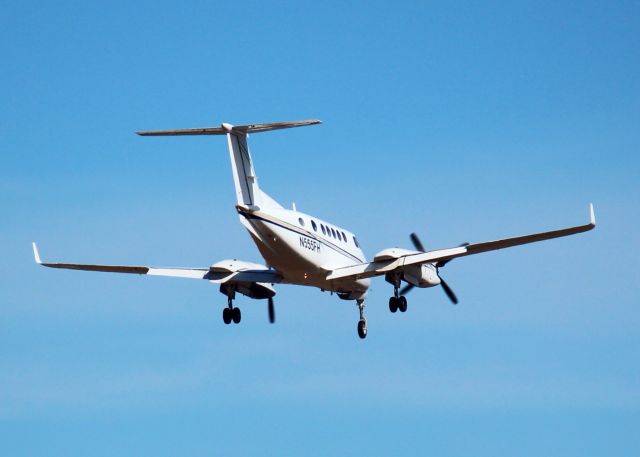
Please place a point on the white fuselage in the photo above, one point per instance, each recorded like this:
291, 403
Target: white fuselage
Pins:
303, 249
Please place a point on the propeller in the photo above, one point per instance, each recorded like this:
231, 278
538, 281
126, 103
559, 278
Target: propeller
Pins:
406, 289
272, 311
447, 290
417, 243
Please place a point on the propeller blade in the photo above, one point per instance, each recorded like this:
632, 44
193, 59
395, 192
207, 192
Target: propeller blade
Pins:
442, 263
406, 289
416, 242
272, 311
448, 291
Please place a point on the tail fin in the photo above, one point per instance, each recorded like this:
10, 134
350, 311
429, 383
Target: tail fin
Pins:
244, 177
247, 191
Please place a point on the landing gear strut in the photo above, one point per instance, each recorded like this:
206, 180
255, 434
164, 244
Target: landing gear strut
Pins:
230, 313
362, 323
397, 302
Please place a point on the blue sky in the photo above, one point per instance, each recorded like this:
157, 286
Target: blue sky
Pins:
462, 122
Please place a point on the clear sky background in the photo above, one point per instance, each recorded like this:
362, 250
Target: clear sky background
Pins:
463, 122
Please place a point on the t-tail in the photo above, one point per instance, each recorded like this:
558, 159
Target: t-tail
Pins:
248, 193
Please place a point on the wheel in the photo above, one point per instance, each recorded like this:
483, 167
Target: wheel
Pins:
393, 304
236, 315
226, 315
362, 328
402, 303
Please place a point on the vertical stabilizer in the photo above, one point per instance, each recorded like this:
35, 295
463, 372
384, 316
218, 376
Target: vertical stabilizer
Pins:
244, 177
248, 193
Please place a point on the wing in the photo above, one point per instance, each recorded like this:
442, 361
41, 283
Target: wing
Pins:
367, 270
193, 273
213, 274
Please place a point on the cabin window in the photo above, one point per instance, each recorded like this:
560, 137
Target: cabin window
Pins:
313, 224
301, 222
323, 229
333, 233
355, 241
344, 237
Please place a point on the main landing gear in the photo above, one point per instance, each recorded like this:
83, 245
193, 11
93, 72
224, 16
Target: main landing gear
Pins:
397, 302
362, 323
230, 313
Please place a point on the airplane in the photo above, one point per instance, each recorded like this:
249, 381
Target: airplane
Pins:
305, 250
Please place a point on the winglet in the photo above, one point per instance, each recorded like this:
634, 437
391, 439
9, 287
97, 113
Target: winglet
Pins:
592, 216
36, 254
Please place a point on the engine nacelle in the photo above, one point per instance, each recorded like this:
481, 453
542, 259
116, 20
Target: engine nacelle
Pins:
233, 265
424, 275
258, 290
392, 254
229, 273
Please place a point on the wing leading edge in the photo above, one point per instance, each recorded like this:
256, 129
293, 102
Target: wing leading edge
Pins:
367, 270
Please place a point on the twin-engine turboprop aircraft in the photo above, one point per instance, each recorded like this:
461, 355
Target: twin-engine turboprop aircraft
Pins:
304, 250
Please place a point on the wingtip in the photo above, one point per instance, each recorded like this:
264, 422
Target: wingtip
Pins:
592, 216
36, 254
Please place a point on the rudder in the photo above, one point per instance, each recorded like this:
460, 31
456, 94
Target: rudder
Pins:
244, 177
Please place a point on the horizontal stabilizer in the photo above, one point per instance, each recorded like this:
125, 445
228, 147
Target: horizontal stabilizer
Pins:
228, 128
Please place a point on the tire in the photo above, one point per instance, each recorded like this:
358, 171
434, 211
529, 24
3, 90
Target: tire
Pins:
402, 304
393, 304
236, 315
226, 316
362, 329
